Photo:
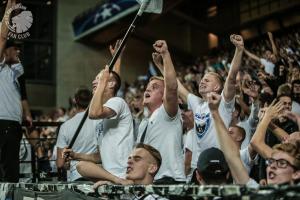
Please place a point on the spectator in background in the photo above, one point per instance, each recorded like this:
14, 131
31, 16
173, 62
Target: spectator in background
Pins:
85, 142
270, 57
296, 96
10, 105
283, 160
212, 168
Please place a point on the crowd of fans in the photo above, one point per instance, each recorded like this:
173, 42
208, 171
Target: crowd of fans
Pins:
269, 70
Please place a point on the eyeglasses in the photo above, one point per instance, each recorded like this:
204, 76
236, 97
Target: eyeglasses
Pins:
280, 163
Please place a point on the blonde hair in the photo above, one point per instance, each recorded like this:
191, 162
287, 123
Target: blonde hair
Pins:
291, 149
157, 78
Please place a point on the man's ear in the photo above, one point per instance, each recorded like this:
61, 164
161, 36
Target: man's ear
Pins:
296, 175
152, 169
217, 88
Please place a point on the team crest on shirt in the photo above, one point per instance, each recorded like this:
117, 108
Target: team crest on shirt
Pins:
202, 123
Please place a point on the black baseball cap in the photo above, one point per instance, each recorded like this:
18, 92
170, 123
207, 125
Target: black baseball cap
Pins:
212, 163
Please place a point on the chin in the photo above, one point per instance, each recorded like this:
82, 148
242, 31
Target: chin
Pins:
277, 181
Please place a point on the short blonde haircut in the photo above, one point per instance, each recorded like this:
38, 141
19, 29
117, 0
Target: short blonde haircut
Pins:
291, 149
157, 78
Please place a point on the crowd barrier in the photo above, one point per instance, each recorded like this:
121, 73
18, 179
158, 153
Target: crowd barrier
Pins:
50, 191
29, 167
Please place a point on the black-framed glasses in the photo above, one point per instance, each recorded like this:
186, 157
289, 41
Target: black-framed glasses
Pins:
280, 163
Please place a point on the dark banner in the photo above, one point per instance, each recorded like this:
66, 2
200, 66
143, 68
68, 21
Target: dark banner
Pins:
102, 15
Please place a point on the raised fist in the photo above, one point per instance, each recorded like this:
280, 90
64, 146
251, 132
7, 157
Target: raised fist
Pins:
161, 47
238, 41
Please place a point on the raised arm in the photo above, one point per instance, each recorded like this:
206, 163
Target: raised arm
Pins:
258, 140
97, 109
4, 28
274, 48
227, 145
112, 49
229, 87
281, 134
170, 92
252, 56
182, 91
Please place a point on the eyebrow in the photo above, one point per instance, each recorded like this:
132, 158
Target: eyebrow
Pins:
134, 157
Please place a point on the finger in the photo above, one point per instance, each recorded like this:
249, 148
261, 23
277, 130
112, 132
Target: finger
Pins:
111, 48
273, 102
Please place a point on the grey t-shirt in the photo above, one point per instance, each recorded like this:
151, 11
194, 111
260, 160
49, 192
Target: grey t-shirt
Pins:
10, 96
84, 142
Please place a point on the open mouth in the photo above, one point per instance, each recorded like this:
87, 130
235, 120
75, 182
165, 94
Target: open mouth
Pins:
128, 170
271, 175
147, 95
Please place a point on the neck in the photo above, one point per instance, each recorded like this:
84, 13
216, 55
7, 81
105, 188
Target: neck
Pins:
107, 95
152, 108
80, 110
146, 181
204, 96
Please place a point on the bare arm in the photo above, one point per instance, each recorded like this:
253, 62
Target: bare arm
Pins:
112, 49
274, 48
96, 173
97, 110
92, 157
170, 91
278, 132
187, 161
229, 87
26, 111
60, 161
227, 145
4, 28
252, 56
182, 91
258, 140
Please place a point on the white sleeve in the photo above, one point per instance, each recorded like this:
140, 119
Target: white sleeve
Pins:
226, 109
253, 118
193, 101
62, 141
2, 63
189, 141
246, 159
263, 61
117, 104
252, 183
17, 69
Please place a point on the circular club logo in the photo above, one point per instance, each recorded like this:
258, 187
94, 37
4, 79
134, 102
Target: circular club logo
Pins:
18, 21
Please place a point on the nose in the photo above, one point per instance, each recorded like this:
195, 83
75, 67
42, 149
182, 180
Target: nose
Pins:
95, 81
129, 161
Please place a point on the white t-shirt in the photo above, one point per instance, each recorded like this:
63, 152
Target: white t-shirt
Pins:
192, 145
204, 124
165, 134
296, 107
115, 137
252, 183
84, 142
269, 66
249, 125
246, 159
